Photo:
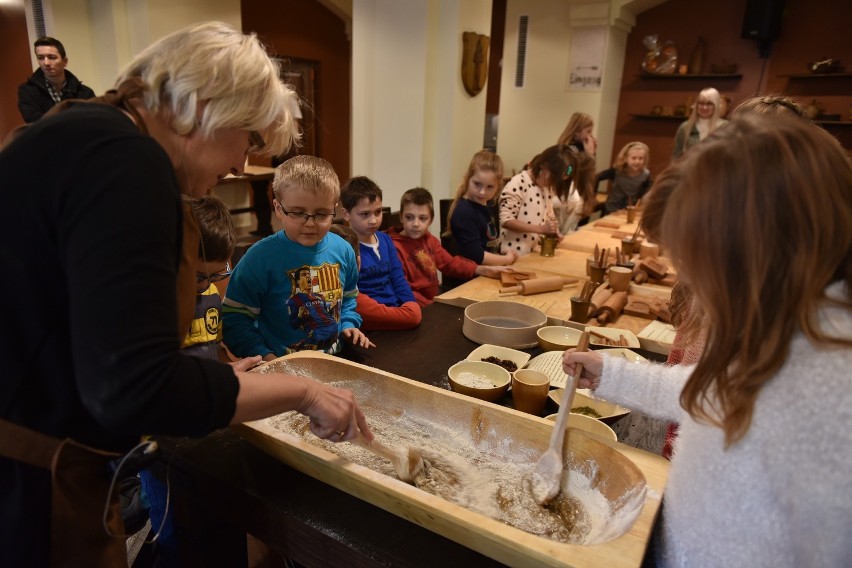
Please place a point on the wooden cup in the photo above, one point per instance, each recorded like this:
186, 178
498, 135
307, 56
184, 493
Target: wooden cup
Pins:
529, 390
628, 246
649, 250
579, 310
619, 278
631, 213
597, 273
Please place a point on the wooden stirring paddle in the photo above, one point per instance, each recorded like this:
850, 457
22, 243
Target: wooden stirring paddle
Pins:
408, 464
547, 475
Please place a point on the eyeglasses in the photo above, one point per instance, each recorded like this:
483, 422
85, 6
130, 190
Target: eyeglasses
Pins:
216, 277
319, 218
257, 143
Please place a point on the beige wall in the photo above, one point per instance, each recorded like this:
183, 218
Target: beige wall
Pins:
101, 36
533, 116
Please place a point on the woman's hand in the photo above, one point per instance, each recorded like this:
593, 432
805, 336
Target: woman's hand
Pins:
356, 337
592, 367
510, 257
246, 363
334, 413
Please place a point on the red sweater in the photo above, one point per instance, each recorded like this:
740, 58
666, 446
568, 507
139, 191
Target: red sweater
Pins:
376, 316
422, 258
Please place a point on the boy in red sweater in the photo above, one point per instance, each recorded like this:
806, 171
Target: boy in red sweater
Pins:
421, 253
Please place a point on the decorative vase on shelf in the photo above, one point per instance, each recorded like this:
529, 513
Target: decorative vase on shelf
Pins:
696, 62
814, 109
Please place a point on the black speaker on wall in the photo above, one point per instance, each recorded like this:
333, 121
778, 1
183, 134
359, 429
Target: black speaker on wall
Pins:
762, 22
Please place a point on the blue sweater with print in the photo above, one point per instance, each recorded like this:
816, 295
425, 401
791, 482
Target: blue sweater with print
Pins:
285, 297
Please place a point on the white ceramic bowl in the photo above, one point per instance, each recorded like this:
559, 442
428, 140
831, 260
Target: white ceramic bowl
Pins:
557, 337
507, 324
609, 412
485, 381
588, 424
519, 358
614, 334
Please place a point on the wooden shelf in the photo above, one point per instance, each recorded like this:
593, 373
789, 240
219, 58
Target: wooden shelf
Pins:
658, 117
832, 123
686, 77
817, 75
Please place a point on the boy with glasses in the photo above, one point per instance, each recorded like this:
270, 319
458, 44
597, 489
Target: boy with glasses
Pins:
218, 240
295, 290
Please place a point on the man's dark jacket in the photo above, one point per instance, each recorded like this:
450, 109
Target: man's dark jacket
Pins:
34, 99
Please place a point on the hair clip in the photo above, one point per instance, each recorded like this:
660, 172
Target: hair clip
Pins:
569, 171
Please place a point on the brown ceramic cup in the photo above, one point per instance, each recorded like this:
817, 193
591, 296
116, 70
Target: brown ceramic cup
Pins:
628, 246
597, 273
579, 310
529, 390
631, 213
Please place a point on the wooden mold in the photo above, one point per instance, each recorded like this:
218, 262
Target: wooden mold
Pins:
631, 480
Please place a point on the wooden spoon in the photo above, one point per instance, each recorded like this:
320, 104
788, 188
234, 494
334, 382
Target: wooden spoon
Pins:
408, 464
547, 475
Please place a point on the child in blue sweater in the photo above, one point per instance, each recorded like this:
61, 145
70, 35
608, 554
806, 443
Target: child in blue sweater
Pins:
295, 290
381, 276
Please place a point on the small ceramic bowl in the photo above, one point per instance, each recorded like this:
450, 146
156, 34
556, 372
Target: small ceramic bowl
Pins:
557, 337
588, 424
485, 381
519, 358
609, 412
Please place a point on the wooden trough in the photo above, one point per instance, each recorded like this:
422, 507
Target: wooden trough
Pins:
626, 482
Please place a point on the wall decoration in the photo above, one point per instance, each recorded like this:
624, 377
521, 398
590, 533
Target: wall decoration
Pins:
474, 68
586, 58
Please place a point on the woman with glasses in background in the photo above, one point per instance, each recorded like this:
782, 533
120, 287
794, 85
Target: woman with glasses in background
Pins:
705, 118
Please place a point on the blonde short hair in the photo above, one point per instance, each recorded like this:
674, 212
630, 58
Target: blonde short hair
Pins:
223, 75
308, 173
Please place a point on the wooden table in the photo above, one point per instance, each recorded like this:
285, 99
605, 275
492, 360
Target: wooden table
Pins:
569, 261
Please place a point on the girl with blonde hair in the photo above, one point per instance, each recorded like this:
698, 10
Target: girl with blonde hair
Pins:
629, 175
469, 218
578, 132
704, 119
757, 224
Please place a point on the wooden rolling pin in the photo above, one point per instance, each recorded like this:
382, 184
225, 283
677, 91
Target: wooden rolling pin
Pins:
538, 285
599, 298
612, 307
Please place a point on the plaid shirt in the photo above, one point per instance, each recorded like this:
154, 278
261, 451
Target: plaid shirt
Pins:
57, 96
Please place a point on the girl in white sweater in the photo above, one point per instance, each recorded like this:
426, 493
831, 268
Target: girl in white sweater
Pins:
758, 221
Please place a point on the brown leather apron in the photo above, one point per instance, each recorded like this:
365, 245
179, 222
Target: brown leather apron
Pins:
80, 483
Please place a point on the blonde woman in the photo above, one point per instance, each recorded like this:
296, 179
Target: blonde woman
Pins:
704, 119
95, 361
756, 220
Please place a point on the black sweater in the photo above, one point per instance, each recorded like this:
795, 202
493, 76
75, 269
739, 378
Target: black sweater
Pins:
34, 99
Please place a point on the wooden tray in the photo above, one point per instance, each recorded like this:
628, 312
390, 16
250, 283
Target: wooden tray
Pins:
621, 473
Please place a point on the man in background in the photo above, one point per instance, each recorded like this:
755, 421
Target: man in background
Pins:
51, 83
